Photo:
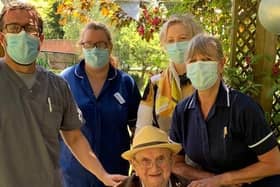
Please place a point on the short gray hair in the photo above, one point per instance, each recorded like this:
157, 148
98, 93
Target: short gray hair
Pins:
187, 20
206, 45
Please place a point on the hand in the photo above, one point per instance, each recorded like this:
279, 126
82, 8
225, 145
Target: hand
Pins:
113, 180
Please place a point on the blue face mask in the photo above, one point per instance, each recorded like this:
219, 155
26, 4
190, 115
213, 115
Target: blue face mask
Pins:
96, 57
176, 51
23, 48
203, 74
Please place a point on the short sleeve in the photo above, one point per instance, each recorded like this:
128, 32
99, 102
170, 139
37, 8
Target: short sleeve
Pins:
72, 116
176, 131
135, 98
257, 133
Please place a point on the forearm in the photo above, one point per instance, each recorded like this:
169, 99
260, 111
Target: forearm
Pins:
268, 165
144, 116
249, 174
82, 152
232, 178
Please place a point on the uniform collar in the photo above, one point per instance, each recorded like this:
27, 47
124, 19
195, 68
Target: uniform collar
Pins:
223, 96
80, 71
222, 99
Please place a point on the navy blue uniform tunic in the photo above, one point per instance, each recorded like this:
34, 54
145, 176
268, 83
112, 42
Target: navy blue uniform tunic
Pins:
106, 120
230, 138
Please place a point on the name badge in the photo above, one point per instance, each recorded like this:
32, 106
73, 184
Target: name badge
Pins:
119, 98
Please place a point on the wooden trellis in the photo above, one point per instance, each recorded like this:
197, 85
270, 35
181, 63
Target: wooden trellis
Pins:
276, 98
244, 33
249, 39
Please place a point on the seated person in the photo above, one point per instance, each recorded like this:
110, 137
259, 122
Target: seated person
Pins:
151, 156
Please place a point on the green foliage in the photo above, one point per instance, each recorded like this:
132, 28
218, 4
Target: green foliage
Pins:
52, 29
242, 81
73, 27
42, 62
72, 30
137, 54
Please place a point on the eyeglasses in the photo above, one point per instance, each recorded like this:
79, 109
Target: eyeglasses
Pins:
99, 45
16, 28
147, 163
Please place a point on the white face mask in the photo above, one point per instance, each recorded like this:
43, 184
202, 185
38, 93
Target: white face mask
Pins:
203, 74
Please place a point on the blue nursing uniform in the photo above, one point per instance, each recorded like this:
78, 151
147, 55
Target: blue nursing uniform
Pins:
230, 138
106, 119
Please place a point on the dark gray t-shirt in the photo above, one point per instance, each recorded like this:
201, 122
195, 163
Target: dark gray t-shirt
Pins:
30, 120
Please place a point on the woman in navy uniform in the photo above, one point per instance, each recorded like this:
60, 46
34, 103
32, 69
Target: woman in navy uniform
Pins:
108, 99
225, 138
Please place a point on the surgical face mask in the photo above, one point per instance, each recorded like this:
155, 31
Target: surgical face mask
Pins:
96, 57
203, 74
176, 51
23, 48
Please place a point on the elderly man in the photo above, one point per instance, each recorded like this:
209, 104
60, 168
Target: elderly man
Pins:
151, 156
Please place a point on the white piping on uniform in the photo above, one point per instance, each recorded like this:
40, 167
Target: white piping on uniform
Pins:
76, 73
228, 101
227, 90
261, 141
191, 102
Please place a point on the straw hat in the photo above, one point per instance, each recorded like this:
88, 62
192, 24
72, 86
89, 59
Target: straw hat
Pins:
150, 137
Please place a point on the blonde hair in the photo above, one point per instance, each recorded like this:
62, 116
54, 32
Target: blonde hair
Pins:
187, 20
206, 45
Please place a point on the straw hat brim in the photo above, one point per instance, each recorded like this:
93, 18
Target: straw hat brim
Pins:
175, 148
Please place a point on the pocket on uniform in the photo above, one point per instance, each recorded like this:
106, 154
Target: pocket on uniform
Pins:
51, 123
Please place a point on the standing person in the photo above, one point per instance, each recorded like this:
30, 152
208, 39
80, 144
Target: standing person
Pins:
152, 157
35, 105
222, 131
166, 89
108, 99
